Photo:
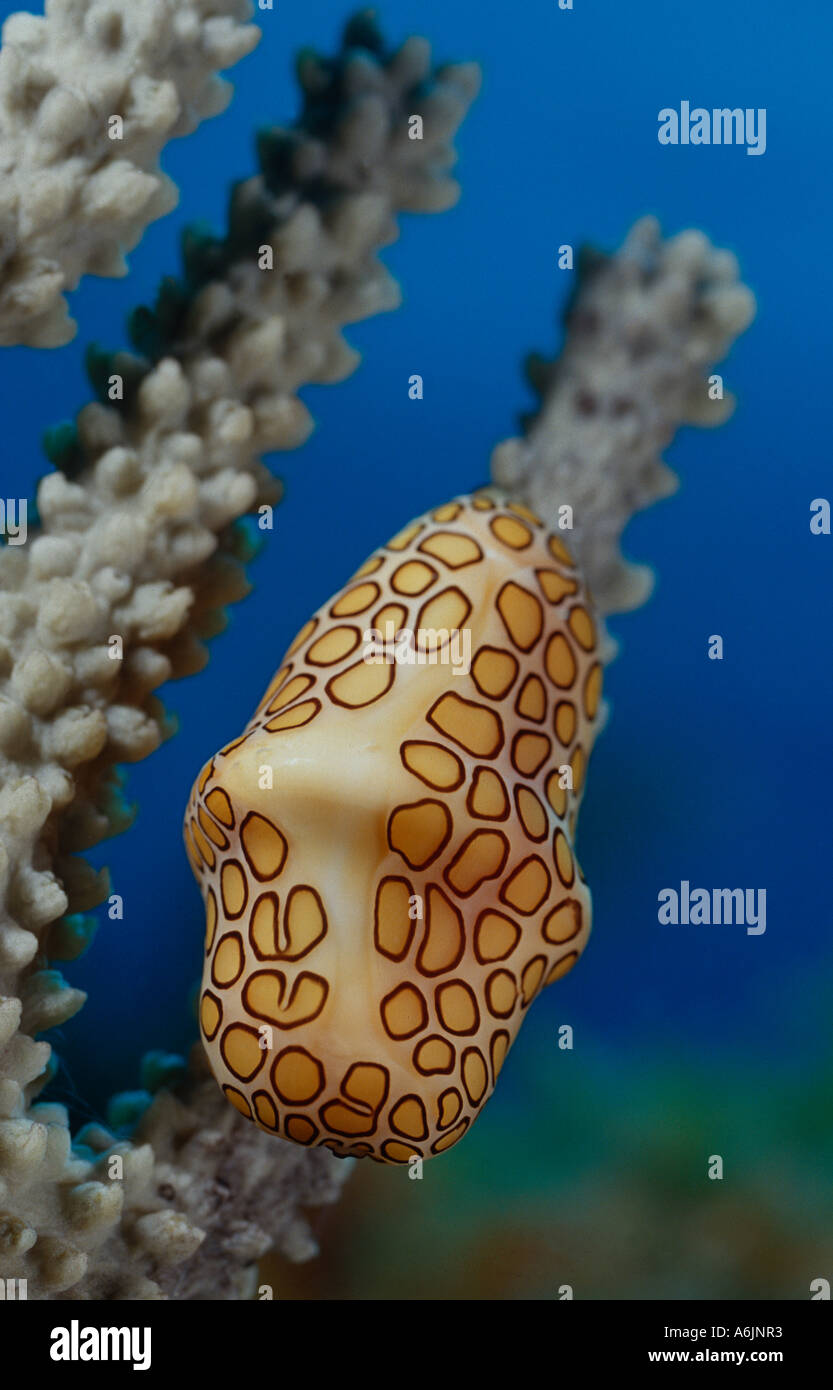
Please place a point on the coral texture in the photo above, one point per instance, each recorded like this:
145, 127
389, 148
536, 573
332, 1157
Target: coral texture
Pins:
642, 329
135, 543
457, 845
73, 198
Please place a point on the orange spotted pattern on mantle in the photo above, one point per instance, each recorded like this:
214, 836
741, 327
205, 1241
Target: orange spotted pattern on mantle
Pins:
380, 917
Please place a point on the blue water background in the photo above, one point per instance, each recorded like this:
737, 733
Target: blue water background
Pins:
716, 772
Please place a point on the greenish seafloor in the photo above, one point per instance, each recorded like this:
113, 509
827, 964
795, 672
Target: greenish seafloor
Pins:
592, 1172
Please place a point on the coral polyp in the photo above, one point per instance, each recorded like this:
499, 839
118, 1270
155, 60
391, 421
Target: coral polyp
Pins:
387, 853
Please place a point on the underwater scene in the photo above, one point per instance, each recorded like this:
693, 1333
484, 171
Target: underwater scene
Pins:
415, 552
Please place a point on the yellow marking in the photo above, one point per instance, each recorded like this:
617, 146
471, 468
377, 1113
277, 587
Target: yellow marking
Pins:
457, 1007
443, 944
210, 919
592, 691
392, 616
210, 1015
412, 578
482, 857
408, 1117
228, 961
499, 1049
453, 549
266, 996
555, 585
238, 1100
263, 927
366, 1084
577, 763
511, 532
299, 1128
446, 612
522, 615
434, 1055
528, 886
233, 888
397, 1152
305, 922
475, 1076
563, 923
501, 993
294, 718
532, 814
333, 646
449, 512
488, 797
394, 928
565, 722
556, 795
530, 752
404, 1012
369, 567
472, 726
419, 832
494, 671
562, 967
583, 628
532, 700
449, 1106
265, 1110
564, 859
220, 807
496, 937
263, 845
531, 978
297, 686
297, 1077
241, 1051
449, 1139
560, 662
275, 684
212, 831
203, 846
356, 600
361, 684
431, 763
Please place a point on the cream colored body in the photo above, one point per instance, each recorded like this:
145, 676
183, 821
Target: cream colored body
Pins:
413, 923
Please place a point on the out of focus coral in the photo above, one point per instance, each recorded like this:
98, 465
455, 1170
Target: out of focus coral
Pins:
89, 95
643, 330
133, 559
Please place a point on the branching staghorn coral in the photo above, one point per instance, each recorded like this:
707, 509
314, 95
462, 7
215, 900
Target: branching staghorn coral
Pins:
642, 329
135, 543
76, 189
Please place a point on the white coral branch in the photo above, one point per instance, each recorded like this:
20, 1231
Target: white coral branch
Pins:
641, 332
133, 546
73, 199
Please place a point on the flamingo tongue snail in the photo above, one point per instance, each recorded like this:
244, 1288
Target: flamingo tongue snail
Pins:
386, 853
